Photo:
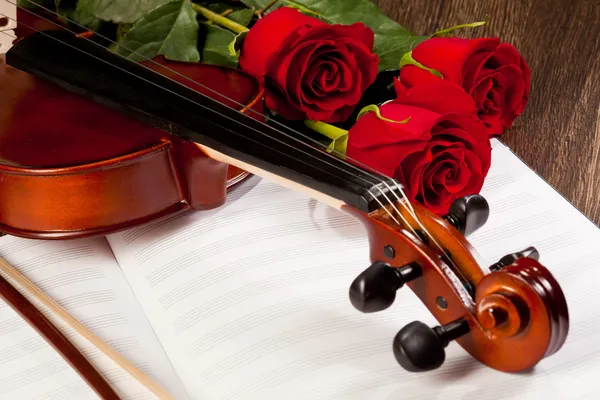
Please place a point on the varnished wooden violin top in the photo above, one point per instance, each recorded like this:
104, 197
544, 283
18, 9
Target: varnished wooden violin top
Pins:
70, 167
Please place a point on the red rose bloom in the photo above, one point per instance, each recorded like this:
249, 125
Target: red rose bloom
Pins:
442, 153
312, 70
493, 73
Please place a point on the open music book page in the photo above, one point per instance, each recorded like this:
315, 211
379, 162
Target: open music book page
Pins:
85, 279
250, 301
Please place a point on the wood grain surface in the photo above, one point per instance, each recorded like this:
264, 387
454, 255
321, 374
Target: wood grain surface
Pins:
558, 135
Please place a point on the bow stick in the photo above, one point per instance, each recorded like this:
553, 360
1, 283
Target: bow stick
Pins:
53, 336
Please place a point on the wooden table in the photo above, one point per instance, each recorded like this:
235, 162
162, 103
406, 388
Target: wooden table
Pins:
558, 135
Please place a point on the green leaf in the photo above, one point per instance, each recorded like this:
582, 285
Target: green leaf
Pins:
407, 59
215, 49
448, 31
240, 14
119, 10
235, 47
377, 111
170, 30
242, 17
122, 30
67, 10
391, 39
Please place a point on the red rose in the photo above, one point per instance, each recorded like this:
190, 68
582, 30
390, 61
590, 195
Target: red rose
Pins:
493, 73
312, 70
442, 153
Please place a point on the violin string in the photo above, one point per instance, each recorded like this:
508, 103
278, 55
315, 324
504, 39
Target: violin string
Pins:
402, 202
333, 165
374, 197
366, 169
369, 170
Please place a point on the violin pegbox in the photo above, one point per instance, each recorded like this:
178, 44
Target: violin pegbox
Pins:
521, 307
509, 317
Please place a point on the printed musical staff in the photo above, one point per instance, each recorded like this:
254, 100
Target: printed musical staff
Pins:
257, 307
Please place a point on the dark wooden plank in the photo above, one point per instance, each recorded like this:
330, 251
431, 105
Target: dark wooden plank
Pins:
559, 133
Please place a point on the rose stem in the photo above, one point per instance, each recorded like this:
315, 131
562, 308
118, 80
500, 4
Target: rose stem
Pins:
265, 8
219, 19
330, 131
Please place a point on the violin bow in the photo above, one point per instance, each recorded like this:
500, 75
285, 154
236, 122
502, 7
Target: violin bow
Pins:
19, 303
28, 311
508, 316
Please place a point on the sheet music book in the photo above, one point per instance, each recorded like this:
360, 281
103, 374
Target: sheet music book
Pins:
250, 301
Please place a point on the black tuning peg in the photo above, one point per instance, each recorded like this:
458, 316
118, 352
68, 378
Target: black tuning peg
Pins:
375, 289
468, 214
530, 252
419, 348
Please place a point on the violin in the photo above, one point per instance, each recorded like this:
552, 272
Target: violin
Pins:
154, 136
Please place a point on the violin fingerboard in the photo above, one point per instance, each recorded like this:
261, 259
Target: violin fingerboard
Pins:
114, 81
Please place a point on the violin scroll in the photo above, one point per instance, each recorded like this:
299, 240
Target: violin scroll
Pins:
523, 307
530, 252
508, 319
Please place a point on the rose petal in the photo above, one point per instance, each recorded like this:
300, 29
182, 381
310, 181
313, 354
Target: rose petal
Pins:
367, 62
349, 73
331, 106
322, 77
475, 68
448, 97
510, 78
410, 171
289, 67
287, 74
450, 55
278, 100
465, 128
505, 54
468, 131
411, 75
295, 65
383, 145
277, 26
385, 159
447, 177
357, 33
478, 172
369, 131
452, 173
480, 92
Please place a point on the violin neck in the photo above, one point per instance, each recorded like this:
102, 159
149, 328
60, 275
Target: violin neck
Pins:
83, 67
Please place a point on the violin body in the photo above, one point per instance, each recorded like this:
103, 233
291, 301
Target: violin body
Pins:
70, 167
